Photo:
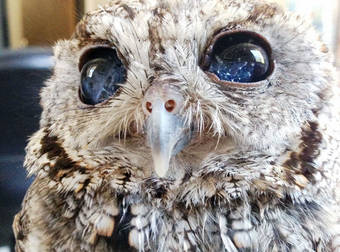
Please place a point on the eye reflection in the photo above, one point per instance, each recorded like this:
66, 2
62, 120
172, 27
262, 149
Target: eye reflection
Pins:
101, 76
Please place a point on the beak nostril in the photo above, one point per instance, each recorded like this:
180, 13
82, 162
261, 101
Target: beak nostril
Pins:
149, 106
170, 105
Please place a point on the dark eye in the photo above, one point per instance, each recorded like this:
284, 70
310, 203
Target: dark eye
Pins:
102, 73
242, 57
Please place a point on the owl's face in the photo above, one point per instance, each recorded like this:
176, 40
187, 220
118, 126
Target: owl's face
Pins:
174, 83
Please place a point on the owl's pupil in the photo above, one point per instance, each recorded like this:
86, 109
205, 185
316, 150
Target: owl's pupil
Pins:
242, 57
100, 78
243, 62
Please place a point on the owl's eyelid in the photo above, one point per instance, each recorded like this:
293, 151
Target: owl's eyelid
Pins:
234, 84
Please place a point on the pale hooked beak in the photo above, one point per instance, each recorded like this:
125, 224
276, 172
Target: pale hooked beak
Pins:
166, 130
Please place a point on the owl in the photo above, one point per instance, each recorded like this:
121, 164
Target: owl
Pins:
198, 125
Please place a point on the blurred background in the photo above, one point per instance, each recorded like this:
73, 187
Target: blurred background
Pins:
28, 29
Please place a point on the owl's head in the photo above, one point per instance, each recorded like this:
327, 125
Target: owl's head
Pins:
187, 80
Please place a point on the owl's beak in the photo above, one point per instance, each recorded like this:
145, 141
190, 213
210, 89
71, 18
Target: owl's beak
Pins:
166, 131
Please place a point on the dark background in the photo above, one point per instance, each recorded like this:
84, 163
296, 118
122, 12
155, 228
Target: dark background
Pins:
22, 74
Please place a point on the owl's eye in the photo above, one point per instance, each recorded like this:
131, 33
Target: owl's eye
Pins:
241, 57
102, 73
